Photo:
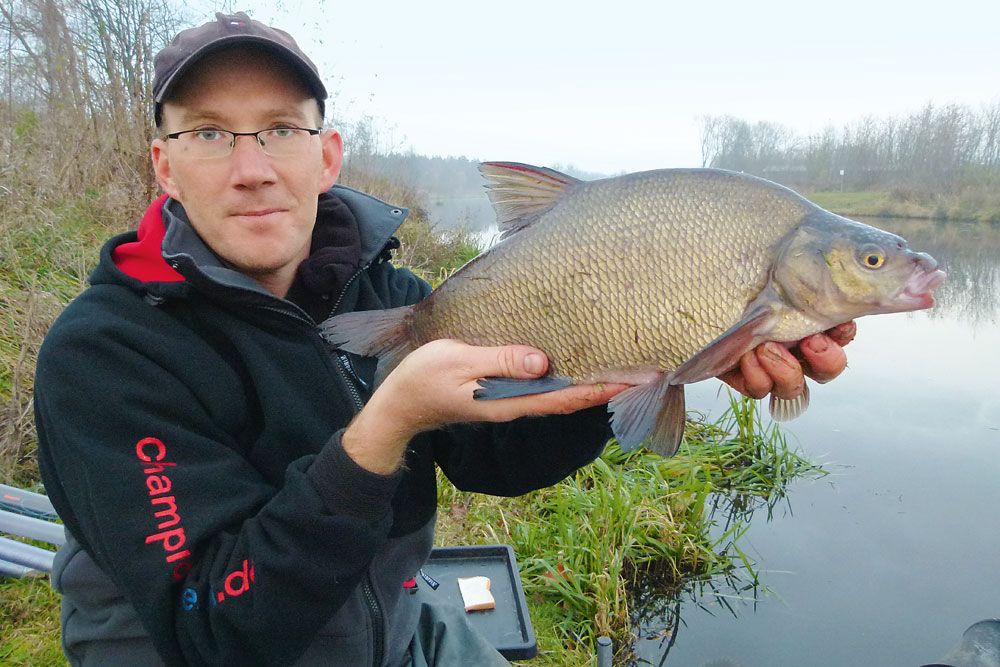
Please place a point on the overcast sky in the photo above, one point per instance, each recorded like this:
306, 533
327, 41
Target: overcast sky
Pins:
623, 85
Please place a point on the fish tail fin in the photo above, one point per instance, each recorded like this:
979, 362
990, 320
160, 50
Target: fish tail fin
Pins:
783, 410
372, 333
651, 413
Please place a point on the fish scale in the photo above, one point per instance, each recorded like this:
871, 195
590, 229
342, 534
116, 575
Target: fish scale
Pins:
656, 279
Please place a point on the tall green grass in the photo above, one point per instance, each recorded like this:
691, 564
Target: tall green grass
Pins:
29, 623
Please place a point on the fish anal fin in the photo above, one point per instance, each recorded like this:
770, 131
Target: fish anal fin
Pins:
522, 193
372, 333
652, 413
494, 388
785, 409
725, 351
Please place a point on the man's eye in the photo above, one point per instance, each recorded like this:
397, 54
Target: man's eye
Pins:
208, 135
282, 132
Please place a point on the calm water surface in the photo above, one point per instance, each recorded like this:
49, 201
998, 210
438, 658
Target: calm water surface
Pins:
889, 558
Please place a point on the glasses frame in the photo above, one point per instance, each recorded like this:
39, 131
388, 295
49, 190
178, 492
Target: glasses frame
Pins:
236, 135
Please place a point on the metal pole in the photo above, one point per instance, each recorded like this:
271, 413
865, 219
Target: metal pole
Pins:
604, 652
8, 569
26, 502
36, 529
20, 553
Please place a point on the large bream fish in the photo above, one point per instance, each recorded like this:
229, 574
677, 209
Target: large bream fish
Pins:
656, 279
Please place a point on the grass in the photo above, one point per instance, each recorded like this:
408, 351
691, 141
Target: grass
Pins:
975, 202
29, 617
875, 203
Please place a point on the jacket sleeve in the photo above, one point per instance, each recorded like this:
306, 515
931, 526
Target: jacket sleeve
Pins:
223, 565
521, 456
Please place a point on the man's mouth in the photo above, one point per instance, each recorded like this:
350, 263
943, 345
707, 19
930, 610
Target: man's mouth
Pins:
258, 213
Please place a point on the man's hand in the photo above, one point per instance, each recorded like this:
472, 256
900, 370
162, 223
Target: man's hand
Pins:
773, 368
433, 386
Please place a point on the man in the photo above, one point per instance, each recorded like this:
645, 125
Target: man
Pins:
235, 493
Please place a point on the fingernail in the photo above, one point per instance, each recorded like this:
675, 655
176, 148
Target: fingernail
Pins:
818, 344
534, 363
774, 350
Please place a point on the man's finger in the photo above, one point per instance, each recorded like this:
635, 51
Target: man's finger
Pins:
520, 361
783, 368
509, 361
823, 358
842, 334
749, 378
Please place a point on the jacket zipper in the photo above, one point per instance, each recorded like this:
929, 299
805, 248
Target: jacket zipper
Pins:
367, 587
343, 292
346, 372
378, 620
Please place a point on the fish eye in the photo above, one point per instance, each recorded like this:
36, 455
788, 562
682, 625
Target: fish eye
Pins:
871, 256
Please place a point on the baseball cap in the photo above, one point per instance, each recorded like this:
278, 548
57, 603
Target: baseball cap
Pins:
227, 31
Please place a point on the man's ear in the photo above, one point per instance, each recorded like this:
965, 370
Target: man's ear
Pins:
333, 158
161, 167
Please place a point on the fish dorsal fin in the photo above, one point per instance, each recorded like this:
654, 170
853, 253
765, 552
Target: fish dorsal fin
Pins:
522, 193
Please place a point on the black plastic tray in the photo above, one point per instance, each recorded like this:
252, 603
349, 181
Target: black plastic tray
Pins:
508, 626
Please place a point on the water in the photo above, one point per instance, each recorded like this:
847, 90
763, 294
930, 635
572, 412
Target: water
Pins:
887, 560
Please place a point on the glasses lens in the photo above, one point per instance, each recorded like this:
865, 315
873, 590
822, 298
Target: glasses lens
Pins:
207, 143
284, 141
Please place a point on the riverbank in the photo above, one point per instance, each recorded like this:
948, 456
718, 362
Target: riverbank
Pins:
969, 205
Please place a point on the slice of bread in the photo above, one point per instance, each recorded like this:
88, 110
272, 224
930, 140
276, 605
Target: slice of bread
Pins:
476, 593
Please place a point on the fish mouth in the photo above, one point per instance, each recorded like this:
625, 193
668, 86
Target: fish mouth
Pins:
918, 288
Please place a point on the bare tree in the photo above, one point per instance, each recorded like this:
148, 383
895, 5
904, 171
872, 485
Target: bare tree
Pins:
78, 84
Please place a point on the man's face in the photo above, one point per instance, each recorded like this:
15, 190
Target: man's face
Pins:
255, 211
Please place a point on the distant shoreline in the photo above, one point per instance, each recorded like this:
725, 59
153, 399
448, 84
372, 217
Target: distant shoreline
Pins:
893, 204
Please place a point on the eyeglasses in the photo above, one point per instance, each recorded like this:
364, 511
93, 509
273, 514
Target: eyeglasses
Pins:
276, 142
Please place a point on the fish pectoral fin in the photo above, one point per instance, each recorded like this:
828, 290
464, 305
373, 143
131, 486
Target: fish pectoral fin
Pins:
494, 388
522, 193
651, 413
786, 409
725, 351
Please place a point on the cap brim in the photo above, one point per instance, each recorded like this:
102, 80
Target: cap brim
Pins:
309, 77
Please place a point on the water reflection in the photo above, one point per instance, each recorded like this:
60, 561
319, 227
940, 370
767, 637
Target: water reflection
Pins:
658, 610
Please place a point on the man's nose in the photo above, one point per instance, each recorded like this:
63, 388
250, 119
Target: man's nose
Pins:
251, 166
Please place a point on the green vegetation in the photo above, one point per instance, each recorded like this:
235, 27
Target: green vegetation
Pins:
970, 204
29, 616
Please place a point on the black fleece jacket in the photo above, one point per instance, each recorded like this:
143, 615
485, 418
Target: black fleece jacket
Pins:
189, 429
